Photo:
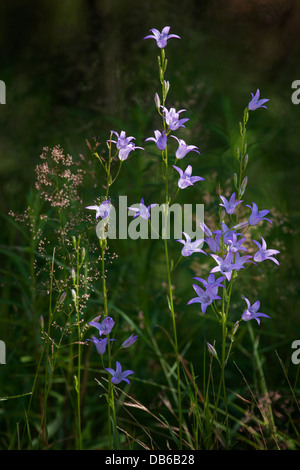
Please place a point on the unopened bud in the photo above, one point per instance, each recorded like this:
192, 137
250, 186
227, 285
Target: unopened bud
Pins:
246, 161
62, 298
74, 296
73, 274
243, 185
212, 350
157, 101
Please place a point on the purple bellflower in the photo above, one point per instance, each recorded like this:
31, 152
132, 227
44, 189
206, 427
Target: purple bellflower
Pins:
263, 253
186, 179
211, 282
235, 244
129, 341
100, 344
172, 118
226, 266
256, 215
160, 139
118, 375
190, 247
102, 210
143, 211
161, 38
122, 140
251, 312
104, 327
256, 103
204, 297
229, 205
125, 151
183, 148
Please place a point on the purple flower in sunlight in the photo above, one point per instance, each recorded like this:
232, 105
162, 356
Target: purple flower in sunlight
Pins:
190, 247
235, 244
161, 38
251, 313
142, 211
226, 266
263, 254
125, 151
100, 344
186, 179
256, 215
229, 205
104, 327
160, 139
211, 282
240, 260
129, 341
172, 118
183, 148
122, 141
204, 297
256, 103
102, 210
118, 375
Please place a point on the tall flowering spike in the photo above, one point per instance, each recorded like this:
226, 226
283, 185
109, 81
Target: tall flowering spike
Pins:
190, 247
160, 139
142, 211
118, 375
161, 38
102, 210
263, 253
172, 118
183, 148
256, 103
229, 205
256, 215
186, 179
104, 327
251, 313
204, 297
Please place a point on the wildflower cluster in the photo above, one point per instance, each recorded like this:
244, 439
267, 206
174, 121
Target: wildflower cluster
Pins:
104, 329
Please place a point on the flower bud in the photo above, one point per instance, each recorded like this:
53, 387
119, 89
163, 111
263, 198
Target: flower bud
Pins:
74, 296
212, 350
157, 101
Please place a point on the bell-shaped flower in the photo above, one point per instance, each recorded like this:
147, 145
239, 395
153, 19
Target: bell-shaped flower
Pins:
251, 313
256, 103
118, 375
100, 344
162, 37
226, 265
160, 139
229, 205
256, 215
172, 118
204, 297
102, 210
142, 211
104, 327
183, 148
122, 140
263, 253
186, 179
211, 282
190, 247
